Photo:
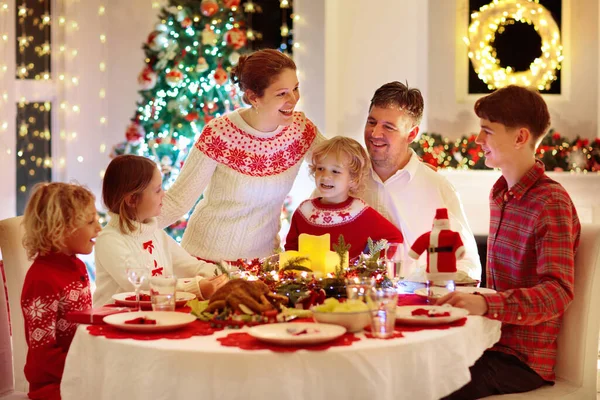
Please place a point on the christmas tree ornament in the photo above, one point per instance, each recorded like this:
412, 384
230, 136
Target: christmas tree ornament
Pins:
234, 57
174, 77
134, 133
209, 37
443, 247
231, 3
161, 28
208, 8
236, 38
178, 12
191, 117
157, 41
186, 23
202, 65
147, 78
220, 75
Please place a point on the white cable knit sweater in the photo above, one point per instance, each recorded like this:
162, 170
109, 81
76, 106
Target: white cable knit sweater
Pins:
245, 175
149, 246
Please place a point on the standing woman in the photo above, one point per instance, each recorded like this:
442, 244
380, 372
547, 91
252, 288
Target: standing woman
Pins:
245, 163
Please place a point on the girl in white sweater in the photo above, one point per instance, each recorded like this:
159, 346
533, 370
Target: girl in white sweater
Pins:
244, 163
132, 192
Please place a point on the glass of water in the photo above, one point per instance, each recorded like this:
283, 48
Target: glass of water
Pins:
382, 305
162, 292
358, 287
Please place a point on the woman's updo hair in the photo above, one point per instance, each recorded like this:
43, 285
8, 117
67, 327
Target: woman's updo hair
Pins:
256, 71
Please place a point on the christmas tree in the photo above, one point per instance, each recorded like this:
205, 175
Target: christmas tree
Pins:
185, 82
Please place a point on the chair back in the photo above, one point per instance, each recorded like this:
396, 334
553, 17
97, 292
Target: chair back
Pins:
7, 383
16, 265
576, 360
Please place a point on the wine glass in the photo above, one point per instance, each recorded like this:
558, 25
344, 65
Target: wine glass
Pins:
394, 255
136, 276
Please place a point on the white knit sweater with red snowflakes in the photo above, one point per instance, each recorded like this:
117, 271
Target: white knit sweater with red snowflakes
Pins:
244, 175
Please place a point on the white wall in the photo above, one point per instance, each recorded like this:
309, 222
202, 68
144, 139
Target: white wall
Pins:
574, 113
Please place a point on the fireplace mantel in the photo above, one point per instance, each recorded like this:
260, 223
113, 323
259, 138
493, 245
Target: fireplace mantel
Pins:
474, 188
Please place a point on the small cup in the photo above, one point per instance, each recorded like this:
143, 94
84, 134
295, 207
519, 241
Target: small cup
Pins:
162, 292
382, 304
357, 288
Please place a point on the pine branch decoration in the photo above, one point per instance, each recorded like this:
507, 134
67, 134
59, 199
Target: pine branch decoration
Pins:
375, 248
295, 264
341, 248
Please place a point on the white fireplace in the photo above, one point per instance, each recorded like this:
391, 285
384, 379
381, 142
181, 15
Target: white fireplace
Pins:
474, 188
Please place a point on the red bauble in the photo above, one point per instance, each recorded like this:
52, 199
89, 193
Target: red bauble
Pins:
135, 132
147, 78
208, 8
174, 77
186, 23
231, 3
236, 38
193, 116
220, 75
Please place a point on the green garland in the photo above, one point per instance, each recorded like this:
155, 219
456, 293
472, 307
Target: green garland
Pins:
556, 151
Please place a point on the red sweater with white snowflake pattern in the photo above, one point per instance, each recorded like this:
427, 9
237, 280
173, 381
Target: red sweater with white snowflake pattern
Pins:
55, 284
352, 218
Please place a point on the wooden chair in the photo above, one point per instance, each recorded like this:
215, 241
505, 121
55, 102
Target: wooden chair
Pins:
16, 265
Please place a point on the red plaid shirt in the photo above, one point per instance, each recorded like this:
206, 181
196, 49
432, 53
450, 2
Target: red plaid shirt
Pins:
534, 233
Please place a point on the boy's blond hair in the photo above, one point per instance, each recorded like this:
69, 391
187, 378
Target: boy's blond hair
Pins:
53, 212
356, 161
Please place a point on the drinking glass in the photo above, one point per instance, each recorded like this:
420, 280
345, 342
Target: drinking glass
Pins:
163, 291
394, 257
382, 304
137, 276
358, 287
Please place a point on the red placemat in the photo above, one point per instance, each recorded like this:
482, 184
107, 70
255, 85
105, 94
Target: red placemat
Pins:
196, 328
244, 341
412, 300
369, 335
415, 328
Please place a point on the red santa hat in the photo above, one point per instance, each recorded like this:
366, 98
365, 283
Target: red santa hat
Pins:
441, 219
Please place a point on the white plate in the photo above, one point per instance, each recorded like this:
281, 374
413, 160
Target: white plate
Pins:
281, 333
441, 291
165, 320
180, 300
404, 315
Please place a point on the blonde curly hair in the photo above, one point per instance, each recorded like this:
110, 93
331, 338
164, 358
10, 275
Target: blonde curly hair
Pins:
356, 159
53, 212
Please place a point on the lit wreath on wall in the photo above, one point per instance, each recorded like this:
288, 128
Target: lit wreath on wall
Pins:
485, 24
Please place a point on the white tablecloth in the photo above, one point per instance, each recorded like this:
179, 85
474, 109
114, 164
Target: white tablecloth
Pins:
423, 365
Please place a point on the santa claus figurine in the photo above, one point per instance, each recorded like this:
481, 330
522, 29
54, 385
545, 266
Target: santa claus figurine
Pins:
443, 248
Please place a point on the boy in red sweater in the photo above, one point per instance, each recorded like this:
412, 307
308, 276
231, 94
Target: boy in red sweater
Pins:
60, 221
339, 166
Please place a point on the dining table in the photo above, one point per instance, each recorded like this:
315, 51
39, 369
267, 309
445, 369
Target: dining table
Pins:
422, 364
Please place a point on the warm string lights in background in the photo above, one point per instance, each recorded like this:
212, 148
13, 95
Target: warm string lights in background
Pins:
490, 20
33, 61
104, 79
5, 15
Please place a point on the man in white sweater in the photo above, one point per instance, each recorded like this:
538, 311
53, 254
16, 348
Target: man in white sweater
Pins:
401, 187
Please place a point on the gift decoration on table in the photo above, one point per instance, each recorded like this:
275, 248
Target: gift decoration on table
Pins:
94, 316
443, 247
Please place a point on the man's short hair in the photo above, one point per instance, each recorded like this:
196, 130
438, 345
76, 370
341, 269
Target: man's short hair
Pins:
514, 107
398, 95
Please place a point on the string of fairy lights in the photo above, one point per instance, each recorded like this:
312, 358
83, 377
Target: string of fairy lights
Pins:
5, 14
